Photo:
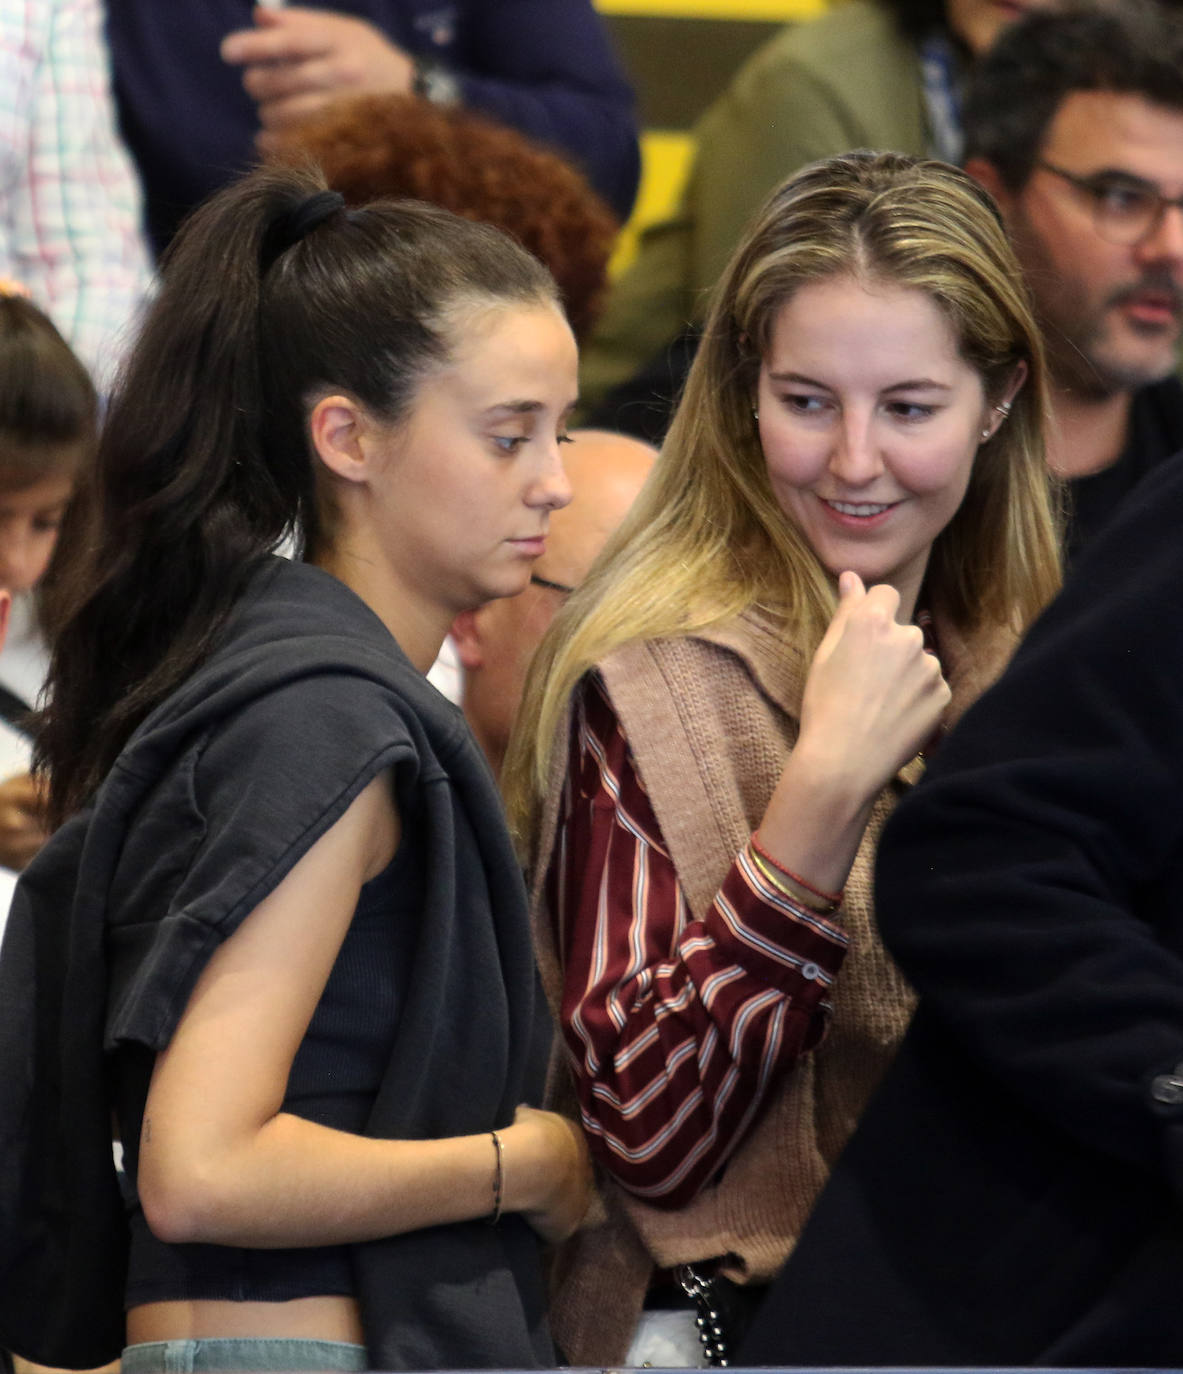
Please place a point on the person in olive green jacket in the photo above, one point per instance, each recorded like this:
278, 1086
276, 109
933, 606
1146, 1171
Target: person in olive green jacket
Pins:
864, 75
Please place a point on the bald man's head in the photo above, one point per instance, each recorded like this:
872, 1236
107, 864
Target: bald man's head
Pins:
496, 643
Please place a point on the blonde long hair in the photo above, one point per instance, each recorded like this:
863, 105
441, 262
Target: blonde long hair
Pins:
706, 538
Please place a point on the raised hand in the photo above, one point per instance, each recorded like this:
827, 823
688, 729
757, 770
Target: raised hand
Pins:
873, 694
872, 698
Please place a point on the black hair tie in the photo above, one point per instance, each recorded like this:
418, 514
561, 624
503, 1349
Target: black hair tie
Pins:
291, 225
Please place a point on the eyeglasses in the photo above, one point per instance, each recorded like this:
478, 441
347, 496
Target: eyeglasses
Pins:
551, 586
1126, 209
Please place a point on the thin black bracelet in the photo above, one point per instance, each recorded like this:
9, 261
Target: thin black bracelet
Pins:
498, 1179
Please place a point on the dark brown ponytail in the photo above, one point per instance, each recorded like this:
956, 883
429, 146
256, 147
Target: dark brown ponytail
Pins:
204, 464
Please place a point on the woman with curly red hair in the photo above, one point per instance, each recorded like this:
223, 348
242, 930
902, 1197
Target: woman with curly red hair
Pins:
380, 146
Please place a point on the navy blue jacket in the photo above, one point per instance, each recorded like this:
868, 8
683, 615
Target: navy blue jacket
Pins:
545, 67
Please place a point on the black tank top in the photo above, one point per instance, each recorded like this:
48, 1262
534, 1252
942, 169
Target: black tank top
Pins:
334, 1079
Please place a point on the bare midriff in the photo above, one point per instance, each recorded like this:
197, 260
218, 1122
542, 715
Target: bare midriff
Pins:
328, 1318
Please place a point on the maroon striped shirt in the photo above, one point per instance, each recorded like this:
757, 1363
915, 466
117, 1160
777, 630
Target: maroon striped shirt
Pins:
676, 1028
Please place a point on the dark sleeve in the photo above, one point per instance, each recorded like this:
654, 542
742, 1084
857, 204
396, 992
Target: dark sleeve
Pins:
1030, 888
547, 68
225, 827
183, 112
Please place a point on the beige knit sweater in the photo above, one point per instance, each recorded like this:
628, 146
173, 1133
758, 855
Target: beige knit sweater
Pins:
710, 720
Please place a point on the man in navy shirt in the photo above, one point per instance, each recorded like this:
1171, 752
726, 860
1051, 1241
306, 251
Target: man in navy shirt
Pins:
199, 86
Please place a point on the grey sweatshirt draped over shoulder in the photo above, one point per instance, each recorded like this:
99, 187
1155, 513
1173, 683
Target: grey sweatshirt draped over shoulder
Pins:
305, 700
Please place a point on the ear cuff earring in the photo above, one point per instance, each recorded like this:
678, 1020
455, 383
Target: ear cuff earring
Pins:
1003, 409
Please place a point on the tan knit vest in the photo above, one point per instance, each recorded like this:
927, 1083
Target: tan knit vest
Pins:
710, 720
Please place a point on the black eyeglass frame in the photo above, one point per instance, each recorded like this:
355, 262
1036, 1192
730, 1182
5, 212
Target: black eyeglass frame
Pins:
551, 586
1097, 185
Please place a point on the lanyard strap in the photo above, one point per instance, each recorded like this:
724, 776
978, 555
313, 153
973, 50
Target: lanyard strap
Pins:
942, 97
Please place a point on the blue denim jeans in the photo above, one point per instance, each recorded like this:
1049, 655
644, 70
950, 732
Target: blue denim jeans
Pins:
226, 1356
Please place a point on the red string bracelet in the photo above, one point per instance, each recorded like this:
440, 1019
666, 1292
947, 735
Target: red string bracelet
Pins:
835, 897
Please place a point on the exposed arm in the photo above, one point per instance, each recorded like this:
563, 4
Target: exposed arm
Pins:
873, 697
221, 1162
298, 59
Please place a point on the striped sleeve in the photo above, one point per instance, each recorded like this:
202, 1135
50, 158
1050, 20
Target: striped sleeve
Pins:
676, 1028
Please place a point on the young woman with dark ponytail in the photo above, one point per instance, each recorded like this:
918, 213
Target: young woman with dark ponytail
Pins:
290, 944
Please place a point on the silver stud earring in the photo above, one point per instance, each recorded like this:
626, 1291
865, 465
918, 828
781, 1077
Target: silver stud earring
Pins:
986, 433
1003, 408
755, 413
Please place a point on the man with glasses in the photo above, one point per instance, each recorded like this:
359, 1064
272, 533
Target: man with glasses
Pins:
1074, 122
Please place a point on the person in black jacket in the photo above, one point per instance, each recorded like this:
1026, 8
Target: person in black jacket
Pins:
281, 932
1014, 1194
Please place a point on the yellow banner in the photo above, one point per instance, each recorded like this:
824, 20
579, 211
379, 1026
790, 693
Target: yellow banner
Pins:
787, 10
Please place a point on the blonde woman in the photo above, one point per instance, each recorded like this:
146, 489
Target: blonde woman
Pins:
850, 523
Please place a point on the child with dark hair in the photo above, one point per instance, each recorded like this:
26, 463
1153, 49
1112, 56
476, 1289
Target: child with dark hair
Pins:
47, 434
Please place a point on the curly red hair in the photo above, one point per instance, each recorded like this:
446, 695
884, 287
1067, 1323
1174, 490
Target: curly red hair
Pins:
402, 146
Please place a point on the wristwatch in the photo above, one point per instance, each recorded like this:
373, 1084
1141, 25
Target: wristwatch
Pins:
434, 82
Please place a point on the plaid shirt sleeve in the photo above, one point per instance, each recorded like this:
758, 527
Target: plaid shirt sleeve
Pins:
72, 200
676, 1028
